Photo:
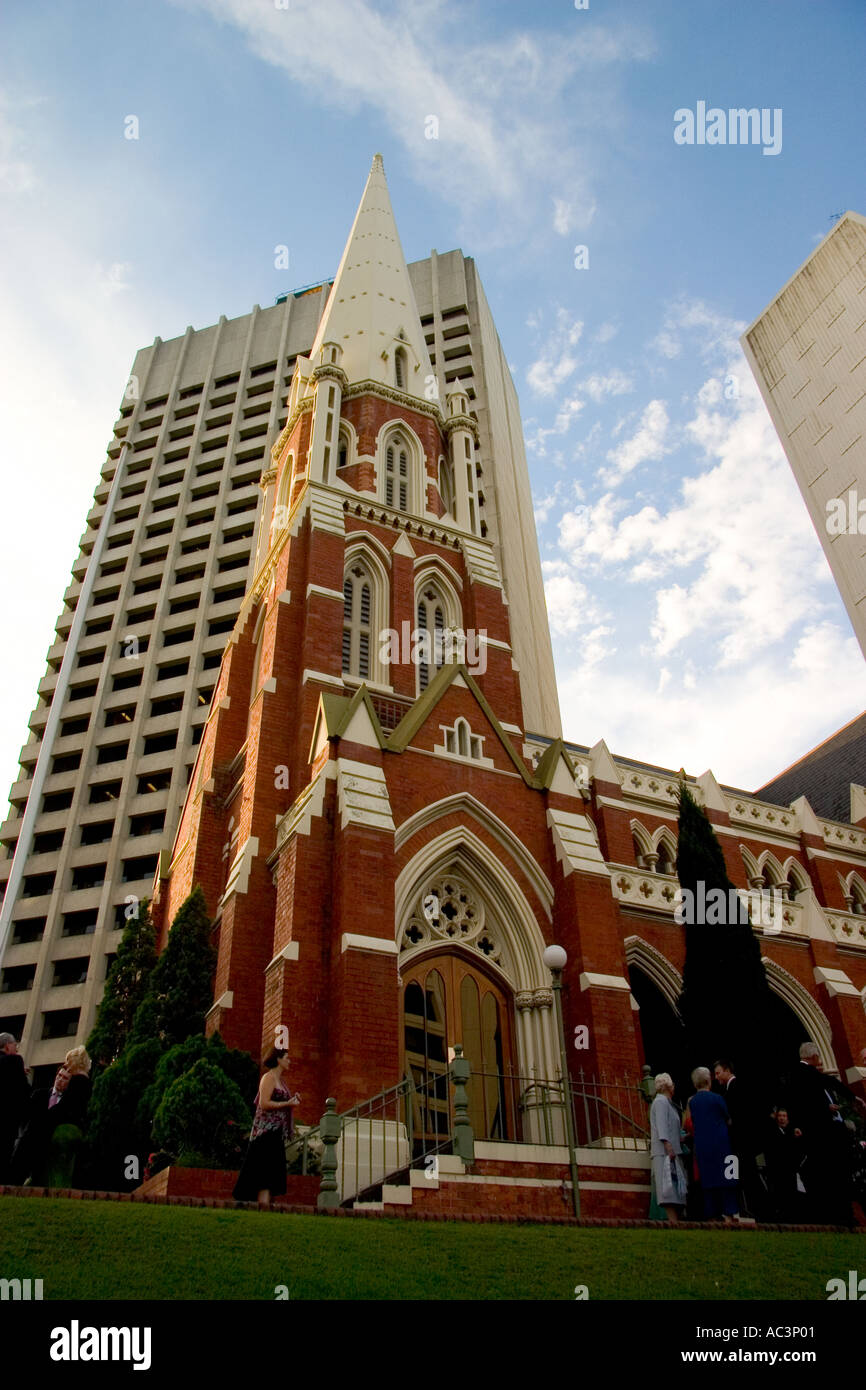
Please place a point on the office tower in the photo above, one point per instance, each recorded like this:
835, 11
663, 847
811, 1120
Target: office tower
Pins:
807, 351
199, 415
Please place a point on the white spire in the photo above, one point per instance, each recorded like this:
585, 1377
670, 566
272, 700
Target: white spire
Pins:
371, 312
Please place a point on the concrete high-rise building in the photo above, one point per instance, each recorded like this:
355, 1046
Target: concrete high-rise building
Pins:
808, 354
172, 561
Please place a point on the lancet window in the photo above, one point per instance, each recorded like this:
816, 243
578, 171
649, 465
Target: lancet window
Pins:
357, 621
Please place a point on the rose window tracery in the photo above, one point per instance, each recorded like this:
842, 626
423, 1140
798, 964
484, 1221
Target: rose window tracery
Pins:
449, 910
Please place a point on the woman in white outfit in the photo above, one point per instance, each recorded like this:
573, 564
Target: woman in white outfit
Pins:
669, 1171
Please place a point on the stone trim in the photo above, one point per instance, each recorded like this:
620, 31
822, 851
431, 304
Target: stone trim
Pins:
576, 844
325, 593
415, 404
836, 981
289, 952
590, 980
239, 873
362, 796
298, 819
528, 999
351, 942
480, 561
326, 510
322, 676
464, 803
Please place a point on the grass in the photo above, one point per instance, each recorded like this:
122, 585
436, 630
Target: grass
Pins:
95, 1250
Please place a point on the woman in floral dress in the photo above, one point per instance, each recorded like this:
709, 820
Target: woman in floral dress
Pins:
263, 1174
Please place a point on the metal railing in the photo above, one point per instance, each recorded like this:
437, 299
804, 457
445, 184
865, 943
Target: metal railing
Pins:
514, 1109
385, 1136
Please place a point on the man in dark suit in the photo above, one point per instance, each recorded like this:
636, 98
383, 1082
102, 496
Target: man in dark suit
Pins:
14, 1095
783, 1151
743, 1138
827, 1166
48, 1110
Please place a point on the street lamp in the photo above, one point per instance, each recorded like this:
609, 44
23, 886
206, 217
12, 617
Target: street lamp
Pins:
556, 959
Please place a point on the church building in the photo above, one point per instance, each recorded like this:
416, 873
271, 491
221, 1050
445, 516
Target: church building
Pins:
386, 822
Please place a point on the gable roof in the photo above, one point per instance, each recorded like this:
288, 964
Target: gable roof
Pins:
415, 717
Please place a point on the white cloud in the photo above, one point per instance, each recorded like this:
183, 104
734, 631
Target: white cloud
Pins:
646, 445
725, 541
731, 649
17, 175
545, 505
746, 725
719, 336
112, 279
613, 383
570, 606
606, 332
562, 217
557, 360
510, 109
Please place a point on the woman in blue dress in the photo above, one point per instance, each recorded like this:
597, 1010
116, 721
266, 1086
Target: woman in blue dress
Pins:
716, 1161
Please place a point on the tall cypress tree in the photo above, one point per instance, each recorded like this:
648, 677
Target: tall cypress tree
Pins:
725, 1003
125, 987
179, 991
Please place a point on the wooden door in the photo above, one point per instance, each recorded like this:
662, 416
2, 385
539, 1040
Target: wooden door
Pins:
447, 1000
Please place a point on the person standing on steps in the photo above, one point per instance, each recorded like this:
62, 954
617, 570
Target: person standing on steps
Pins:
263, 1173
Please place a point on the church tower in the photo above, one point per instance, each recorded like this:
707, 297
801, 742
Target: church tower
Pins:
384, 851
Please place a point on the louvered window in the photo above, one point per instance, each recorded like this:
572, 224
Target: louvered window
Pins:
397, 476
357, 618
431, 618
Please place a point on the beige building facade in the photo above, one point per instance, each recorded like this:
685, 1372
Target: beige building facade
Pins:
807, 351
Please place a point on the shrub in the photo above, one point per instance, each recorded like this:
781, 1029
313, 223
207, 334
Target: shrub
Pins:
203, 1114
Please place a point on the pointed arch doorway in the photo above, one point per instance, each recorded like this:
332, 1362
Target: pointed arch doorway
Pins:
447, 1000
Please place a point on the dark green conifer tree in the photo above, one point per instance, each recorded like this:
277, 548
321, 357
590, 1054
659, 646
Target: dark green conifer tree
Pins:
179, 991
726, 1004
125, 987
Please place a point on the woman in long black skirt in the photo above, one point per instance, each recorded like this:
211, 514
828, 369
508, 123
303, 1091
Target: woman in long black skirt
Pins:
263, 1173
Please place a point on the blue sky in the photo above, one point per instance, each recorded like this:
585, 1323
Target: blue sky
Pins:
695, 620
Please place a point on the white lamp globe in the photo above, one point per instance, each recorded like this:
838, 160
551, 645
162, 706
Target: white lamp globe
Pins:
554, 958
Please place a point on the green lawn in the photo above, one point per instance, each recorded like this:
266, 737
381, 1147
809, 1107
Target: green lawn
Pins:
99, 1250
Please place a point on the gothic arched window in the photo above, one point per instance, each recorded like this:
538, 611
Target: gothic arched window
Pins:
431, 626
357, 621
769, 878
795, 883
397, 493
667, 860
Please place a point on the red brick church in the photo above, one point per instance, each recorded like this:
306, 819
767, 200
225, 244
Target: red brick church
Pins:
386, 823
